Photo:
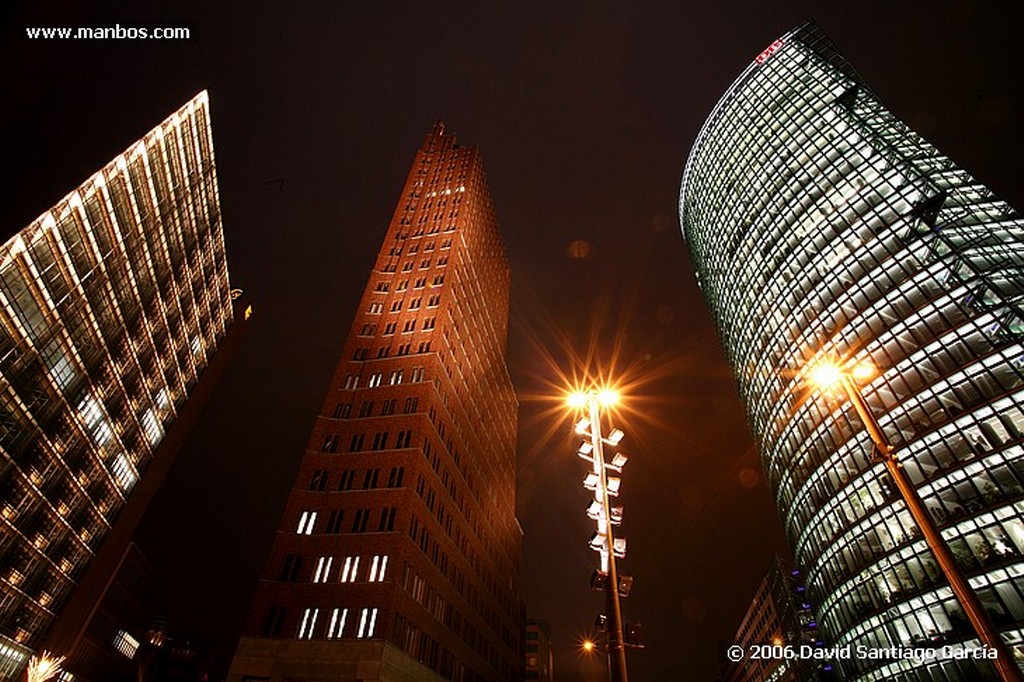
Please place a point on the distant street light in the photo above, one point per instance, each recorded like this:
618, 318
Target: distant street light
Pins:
604, 540
829, 375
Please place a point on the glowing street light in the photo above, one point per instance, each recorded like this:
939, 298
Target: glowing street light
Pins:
44, 666
604, 541
827, 376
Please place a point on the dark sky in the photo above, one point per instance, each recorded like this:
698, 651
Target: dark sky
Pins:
585, 113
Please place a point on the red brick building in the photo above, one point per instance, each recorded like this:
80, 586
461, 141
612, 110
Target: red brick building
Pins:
398, 552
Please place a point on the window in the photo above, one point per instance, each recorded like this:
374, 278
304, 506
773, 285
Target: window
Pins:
389, 328
347, 477
396, 377
360, 354
367, 623
411, 404
351, 382
438, 280
323, 569
337, 624
349, 570
383, 352
308, 623
424, 264
356, 444
414, 304
404, 439
380, 440
334, 521
274, 620
378, 567
420, 283
368, 330
387, 520
361, 520
446, 243
376, 308
375, 379
319, 480
434, 301
330, 443
424, 347
409, 326
404, 349
407, 266
396, 306
417, 374
429, 246
403, 285
366, 409
290, 568
370, 479
341, 411
381, 286
388, 407
395, 477
306, 521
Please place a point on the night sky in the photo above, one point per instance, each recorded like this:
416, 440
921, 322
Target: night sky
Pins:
585, 113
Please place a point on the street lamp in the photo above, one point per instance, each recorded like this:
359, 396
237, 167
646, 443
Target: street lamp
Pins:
604, 541
829, 375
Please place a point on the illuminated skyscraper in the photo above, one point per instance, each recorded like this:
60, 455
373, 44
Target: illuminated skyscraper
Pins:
823, 227
112, 305
397, 557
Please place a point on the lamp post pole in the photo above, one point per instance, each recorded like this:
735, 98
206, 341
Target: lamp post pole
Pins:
616, 643
969, 602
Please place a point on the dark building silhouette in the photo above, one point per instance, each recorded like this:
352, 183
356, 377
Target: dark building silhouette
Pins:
397, 557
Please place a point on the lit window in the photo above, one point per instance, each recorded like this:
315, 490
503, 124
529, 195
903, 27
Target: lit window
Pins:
308, 623
375, 379
337, 625
349, 570
323, 569
378, 566
306, 522
376, 308
367, 623
125, 644
396, 377
124, 472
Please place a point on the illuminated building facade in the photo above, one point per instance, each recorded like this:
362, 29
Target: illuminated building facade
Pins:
112, 304
823, 227
539, 655
397, 557
780, 615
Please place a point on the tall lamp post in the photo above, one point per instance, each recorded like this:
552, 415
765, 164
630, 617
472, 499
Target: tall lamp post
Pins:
604, 541
829, 375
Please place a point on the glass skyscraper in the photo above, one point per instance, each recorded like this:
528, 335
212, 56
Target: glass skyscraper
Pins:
112, 303
821, 226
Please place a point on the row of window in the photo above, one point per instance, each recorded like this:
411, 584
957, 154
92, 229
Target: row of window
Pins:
374, 570
360, 521
320, 479
394, 378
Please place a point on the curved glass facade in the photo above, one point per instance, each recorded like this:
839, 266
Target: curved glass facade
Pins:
823, 227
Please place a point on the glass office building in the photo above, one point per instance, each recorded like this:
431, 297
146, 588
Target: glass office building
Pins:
823, 227
112, 303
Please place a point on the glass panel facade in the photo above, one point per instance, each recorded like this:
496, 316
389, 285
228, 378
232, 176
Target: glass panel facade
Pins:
823, 227
111, 305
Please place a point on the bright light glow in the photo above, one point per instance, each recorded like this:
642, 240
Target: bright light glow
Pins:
588, 646
863, 371
618, 461
608, 396
576, 400
582, 426
826, 375
585, 449
615, 436
44, 666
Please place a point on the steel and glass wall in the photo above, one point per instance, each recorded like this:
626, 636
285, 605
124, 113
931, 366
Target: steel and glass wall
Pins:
823, 227
111, 305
